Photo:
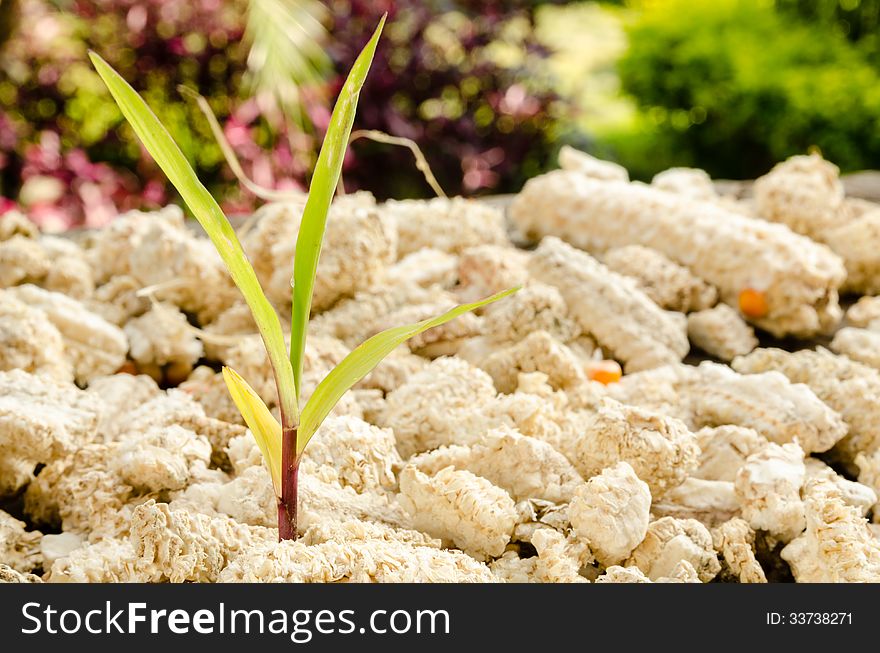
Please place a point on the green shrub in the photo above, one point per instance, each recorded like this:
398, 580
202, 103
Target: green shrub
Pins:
734, 86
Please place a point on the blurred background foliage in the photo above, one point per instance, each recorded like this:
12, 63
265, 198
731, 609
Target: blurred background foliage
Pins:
489, 90
735, 85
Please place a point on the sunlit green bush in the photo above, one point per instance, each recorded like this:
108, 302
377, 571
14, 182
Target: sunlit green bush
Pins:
736, 85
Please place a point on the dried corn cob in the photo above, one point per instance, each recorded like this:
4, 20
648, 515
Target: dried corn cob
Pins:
585, 164
671, 540
796, 278
450, 225
865, 313
837, 546
611, 307
858, 344
721, 332
735, 541
805, 193
692, 182
843, 384
714, 395
670, 285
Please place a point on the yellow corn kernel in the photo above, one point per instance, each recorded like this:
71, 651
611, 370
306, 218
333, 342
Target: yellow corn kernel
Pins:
753, 303
605, 371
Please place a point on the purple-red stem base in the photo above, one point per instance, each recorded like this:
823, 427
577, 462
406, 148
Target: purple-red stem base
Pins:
287, 504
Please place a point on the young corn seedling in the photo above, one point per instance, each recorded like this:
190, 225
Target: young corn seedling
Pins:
281, 444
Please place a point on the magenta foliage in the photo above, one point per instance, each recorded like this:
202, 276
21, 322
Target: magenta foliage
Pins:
482, 126
67, 161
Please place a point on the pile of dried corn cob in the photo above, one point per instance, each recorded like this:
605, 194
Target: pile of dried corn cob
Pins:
504, 446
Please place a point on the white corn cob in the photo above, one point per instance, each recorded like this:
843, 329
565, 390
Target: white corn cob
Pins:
611, 307
805, 193
798, 278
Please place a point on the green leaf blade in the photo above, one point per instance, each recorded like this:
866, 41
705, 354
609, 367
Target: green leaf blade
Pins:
321, 190
204, 207
363, 359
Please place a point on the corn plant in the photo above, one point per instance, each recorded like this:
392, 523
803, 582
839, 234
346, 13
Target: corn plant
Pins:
281, 443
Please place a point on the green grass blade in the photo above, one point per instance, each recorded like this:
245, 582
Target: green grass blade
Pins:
321, 190
362, 360
263, 425
167, 154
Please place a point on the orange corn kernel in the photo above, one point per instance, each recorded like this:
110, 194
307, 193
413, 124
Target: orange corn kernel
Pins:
604, 372
753, 303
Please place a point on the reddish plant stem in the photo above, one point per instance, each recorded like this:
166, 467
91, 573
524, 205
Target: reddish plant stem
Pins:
287, 504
